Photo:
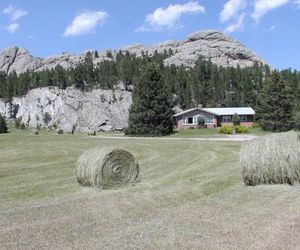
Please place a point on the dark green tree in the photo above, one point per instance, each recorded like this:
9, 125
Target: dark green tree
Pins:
297, 120
3, 126
151, 111
236, 119
275, 104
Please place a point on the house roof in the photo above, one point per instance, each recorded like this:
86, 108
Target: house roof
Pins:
230, 111
186, 111
221, 111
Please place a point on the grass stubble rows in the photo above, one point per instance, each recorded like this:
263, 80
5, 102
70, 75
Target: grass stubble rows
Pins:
190, 196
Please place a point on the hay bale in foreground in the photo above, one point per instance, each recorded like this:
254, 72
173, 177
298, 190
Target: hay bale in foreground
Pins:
106, 168
272, 159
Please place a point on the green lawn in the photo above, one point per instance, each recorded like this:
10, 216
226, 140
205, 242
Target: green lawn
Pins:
190, 196
212, 132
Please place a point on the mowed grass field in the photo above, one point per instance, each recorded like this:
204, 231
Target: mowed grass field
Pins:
190, 196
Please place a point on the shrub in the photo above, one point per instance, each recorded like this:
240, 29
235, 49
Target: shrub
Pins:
35, 132
54, 126
226, 130
73, 129
18, 122
92, 133
22, 126
46, 118
38, 126
3, 126
236, 120
241, 129
60, 132
255, 125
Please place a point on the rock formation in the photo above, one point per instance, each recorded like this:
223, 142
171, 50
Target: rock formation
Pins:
106, 109
100, 110
211, 44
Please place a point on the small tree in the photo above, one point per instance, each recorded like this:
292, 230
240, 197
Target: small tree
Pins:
201, 121
3, 126
236, 120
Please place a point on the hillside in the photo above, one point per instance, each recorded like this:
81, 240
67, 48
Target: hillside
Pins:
211, 44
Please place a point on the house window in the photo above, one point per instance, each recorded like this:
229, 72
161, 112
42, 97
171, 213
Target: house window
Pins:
243, 118
226, 118
192, 120
209, 120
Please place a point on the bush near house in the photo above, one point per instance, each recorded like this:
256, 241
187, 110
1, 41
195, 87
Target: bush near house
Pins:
241, 129
226, 130
230, 130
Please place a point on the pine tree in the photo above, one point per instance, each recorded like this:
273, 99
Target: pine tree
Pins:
151, 110
3, 126
297, 107
275, 104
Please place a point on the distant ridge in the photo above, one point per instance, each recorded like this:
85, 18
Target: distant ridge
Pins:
211, 44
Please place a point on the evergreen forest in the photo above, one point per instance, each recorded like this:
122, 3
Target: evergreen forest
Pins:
206, 83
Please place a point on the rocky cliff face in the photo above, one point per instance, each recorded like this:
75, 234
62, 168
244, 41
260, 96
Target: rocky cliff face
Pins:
211, 44
100, 110
106, 109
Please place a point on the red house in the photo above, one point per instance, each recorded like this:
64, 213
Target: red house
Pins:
214, 117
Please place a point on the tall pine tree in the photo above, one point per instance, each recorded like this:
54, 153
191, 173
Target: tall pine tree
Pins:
275, 104
151, 111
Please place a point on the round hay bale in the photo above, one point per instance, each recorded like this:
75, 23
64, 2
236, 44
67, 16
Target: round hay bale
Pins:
106, 168
272, 159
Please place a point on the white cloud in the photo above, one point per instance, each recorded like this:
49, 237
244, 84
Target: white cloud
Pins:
169, 17
238, 25
85, 23
12, 28
14, 13
231, 9
262, 7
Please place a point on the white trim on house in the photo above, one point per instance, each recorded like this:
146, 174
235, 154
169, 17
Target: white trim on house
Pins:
186, 120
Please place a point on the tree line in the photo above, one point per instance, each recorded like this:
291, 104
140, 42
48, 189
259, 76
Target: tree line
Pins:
206, 83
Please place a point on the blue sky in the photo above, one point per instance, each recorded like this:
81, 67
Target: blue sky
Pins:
47, 27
